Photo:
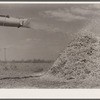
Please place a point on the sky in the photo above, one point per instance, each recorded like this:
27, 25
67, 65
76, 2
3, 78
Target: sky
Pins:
53, 27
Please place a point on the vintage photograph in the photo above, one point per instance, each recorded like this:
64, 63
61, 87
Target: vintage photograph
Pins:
49, 46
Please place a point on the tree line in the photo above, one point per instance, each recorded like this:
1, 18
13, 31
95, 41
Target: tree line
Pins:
30, 61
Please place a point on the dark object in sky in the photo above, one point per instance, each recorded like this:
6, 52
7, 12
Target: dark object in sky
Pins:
6, 20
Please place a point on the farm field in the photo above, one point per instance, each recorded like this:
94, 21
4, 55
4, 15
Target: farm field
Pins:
16, 75
22, 69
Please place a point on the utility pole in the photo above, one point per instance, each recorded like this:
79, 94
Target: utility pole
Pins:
5, 55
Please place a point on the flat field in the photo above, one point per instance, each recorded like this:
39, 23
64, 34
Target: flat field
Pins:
22, 75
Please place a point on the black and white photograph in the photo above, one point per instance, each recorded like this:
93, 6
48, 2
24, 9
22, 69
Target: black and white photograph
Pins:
49, 46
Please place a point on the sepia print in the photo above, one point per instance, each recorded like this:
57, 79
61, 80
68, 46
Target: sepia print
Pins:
53, 46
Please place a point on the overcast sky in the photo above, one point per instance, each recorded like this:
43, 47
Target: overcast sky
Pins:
53, 27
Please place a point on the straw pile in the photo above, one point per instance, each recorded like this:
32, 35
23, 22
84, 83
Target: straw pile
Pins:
80, 60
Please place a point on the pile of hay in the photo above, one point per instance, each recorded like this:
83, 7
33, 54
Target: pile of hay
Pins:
80, 60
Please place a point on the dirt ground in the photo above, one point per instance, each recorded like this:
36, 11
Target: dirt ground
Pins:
22, 75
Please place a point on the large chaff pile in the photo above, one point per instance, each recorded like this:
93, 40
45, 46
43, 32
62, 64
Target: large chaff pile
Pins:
80, 60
